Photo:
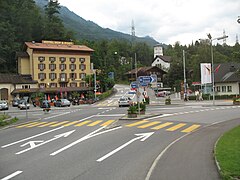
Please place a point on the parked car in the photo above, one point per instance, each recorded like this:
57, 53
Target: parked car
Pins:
124, 101
23, 104
3, 105
163, 93
62, 103
15, 102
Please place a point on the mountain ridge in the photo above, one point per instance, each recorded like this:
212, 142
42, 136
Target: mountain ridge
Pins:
88, 30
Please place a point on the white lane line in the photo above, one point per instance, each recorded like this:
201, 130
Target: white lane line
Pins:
31, 137
56, 115
12, 175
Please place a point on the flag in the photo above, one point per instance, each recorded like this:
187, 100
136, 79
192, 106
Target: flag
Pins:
217, 68
206, 73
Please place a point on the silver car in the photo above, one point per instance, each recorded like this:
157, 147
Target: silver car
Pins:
3, 105
62, 103
124, 101
23, 105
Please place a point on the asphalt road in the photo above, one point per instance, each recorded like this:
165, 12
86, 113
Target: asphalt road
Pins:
89, 142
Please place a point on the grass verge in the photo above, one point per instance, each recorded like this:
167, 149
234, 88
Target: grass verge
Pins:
228, 154
3, 121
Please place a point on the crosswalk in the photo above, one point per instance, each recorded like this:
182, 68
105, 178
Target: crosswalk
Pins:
143, 124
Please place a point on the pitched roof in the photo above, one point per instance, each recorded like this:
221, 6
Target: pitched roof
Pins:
16, 79
227, 72
164, 58
66, 47
144, 69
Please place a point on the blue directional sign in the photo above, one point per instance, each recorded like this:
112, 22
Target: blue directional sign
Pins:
145, 80
134, 84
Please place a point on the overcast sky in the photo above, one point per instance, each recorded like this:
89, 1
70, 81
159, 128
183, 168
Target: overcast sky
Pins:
167, 21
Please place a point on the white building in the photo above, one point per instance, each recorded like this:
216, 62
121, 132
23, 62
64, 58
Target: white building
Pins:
161, 61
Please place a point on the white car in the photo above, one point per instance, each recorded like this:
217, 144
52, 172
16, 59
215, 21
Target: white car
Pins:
23, 105
3, 105
124, 101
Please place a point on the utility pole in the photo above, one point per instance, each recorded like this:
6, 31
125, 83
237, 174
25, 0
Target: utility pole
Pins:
184, 76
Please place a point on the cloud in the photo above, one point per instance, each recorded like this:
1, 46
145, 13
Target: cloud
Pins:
166, 21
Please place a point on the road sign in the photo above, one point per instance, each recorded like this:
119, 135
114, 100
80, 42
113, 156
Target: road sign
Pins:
134, 85
145, 80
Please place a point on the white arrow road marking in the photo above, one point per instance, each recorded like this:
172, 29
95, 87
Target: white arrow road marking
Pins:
90, 135
31, 143
12, 175
45, 142
31, 137
142, 136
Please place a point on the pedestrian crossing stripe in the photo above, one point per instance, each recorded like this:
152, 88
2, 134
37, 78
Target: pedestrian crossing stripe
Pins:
154, 125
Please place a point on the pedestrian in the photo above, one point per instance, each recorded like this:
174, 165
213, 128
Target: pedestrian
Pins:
197, 95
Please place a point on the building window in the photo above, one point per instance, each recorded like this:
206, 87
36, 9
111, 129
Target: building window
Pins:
72, 76
52, 67
52, 59
42, 85
53, 85
41, 58
52, 76
82, 60
82, 75
63, 77
41, 76
62, 67
72, 59
72, 67
82, 67
26, 87
73, 84
218, 89
223, 88
62, 59
41, 67
82, 84
229, 88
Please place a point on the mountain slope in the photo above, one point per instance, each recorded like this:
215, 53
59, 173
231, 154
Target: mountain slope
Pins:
89, 30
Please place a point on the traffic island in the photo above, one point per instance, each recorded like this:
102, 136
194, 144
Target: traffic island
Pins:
139, 116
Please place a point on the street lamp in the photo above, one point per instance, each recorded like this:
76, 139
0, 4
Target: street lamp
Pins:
212, 69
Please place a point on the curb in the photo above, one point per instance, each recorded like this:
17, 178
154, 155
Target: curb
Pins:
215, 158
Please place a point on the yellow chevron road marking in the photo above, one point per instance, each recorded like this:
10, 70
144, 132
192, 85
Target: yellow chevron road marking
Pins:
178, 126
107, 123
83, 123
60, 123
162, 126
191, 128
149, 124
71, 123
137, 123
95, 123
24, 125
37, 124
48, 124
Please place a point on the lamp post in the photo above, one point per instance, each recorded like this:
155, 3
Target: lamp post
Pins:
212, 69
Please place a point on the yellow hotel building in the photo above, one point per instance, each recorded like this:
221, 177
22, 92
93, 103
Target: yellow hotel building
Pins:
56, 66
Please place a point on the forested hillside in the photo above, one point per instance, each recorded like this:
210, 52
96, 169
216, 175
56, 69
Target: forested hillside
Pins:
22, 20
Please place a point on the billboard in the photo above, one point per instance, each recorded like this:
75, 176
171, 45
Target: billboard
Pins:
206, 70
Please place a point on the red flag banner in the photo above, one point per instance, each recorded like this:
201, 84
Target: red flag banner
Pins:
217, 68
